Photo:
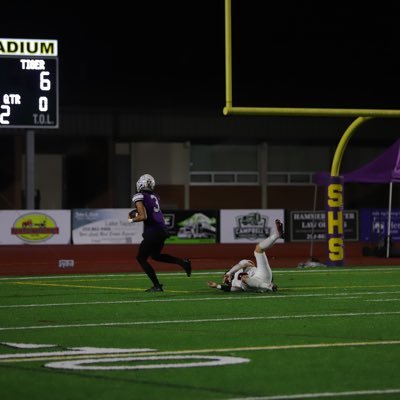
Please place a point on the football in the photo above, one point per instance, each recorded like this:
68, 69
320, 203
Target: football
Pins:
132, 214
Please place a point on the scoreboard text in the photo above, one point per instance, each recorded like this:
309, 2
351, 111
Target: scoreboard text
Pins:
28, 83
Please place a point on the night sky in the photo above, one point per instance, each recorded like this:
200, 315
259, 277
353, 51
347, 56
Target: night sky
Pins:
170, 54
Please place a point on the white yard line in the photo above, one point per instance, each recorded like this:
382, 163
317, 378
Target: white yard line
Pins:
257, 296
276, 271
205, 320
324, 395
379, 300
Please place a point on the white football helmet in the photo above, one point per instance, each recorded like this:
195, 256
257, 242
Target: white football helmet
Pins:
145, 182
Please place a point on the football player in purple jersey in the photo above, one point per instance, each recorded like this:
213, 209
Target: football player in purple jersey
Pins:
246, 276
147, 208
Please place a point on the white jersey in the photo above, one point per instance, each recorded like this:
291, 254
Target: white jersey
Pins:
249, 269
258, 278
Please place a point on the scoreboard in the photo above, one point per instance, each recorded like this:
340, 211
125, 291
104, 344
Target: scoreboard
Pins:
28, 83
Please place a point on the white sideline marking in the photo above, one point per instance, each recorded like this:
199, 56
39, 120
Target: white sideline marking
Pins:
194, 321
323, 395
257, 296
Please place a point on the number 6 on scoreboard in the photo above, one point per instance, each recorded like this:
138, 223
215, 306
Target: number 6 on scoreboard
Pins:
45, 84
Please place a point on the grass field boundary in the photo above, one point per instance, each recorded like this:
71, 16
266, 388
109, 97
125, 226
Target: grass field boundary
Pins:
318, 336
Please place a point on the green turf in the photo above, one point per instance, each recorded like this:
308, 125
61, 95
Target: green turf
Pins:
326, 333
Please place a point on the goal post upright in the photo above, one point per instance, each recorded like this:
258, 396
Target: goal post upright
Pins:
228, 54
334, 188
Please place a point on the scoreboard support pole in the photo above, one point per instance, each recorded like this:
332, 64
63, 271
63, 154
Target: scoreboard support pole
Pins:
30, 170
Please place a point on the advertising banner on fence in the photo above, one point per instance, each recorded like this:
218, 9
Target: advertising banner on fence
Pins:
307, 225
248, 225
374, 222
192, 226
35, 227
104, 226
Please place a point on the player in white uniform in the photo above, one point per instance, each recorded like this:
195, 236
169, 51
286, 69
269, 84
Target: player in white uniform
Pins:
248, 277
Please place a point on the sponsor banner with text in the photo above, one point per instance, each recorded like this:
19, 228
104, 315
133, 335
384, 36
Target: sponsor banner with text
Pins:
104, 226
35, 227
192, 226
374, 223
307, 225
248, 225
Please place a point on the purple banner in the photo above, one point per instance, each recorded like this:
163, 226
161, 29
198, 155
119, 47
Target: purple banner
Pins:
374, 222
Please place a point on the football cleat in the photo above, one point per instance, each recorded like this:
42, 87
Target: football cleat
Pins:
155, 289
187, 266
279, 228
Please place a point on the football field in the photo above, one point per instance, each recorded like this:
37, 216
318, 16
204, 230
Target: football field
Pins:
326, 333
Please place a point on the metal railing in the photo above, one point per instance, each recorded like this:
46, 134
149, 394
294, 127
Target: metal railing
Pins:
249, 178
